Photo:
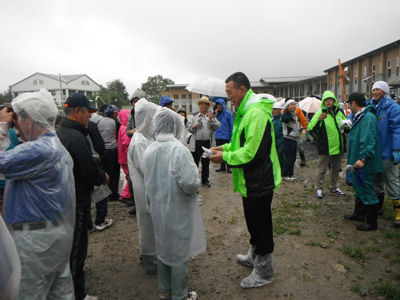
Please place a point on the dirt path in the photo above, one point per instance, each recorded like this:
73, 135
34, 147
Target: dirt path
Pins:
318, 255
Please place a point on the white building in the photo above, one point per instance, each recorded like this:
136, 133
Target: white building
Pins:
60, 86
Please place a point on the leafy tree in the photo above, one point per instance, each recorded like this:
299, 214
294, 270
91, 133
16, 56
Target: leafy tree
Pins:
154, 86
5, 96
118, 87
115, 93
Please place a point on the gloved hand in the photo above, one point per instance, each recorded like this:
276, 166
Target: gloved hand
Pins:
396, 157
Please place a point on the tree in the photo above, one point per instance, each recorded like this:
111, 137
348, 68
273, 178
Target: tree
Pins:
5, 96
118, 87
115, 93
154, 86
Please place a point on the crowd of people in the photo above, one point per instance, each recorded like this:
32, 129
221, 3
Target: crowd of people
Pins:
58, 168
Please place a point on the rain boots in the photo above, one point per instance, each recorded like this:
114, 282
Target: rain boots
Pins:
262, 274
381, 198
248, 259
359, 212
396, 206
371, 216
303, 159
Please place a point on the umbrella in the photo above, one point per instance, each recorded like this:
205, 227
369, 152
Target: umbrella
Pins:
211, 86
310, 104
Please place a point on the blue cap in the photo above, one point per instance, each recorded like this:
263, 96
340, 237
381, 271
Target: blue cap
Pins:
165, 100
79, 100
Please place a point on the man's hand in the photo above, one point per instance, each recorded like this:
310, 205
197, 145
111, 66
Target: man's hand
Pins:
210, 116
359, 164
6, 116
216, 149
107, 180
322, 116
217, 157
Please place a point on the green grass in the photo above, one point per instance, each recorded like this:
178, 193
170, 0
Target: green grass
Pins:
356, 253
356, 288
332, 234
389, 289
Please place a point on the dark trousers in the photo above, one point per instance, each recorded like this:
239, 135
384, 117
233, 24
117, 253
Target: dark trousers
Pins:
101, 213
205, 162
290, 151
79, 251
112, 168
257, 212
220, 142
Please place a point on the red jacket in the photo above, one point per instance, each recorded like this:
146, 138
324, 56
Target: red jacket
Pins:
123, 139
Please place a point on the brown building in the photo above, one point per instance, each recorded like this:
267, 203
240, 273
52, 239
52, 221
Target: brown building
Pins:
364, 70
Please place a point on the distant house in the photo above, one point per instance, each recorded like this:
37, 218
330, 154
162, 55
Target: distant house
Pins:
380, 64
60, 86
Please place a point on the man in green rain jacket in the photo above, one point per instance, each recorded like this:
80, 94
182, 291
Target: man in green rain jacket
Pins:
364, 154
256, 173
330, 142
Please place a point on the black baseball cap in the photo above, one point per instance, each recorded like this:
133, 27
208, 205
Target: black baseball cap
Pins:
79, 100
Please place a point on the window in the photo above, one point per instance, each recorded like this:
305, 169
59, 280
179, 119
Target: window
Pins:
389, 68
35, 82
380, 68
183, 96
397, 66
190, 96
355, 76
176, 97
365, 72
373, 70
338, 81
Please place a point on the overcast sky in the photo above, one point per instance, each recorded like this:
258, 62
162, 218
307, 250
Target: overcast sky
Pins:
184, 40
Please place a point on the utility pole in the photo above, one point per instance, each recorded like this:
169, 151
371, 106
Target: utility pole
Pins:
61, 91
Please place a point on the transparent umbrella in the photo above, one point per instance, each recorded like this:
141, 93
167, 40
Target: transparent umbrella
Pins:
211, 86
310, 104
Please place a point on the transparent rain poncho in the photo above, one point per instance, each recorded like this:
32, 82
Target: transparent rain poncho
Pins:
171, 181
39, 197
10, 267
142, 138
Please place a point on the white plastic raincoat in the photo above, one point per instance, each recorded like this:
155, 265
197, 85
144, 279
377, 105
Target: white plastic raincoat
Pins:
143, 137
39, 200
171, 181
10, 267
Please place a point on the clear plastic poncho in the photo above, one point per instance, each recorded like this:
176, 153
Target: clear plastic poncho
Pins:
10, 267
39, 197
143, 137
171, 181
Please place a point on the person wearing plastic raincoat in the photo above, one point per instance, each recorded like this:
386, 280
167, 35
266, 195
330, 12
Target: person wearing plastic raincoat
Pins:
10, 267
39, 198
171, 181
142, 138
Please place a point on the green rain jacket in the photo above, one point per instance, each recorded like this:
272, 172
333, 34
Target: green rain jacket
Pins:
364, 141
329, 139
252, 153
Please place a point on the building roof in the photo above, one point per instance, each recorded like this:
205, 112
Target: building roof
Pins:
64, 78
383, 48
285, 80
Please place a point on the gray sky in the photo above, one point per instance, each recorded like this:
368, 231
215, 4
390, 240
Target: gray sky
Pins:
185, 39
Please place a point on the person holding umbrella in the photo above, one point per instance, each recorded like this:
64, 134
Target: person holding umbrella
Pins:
202, 126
